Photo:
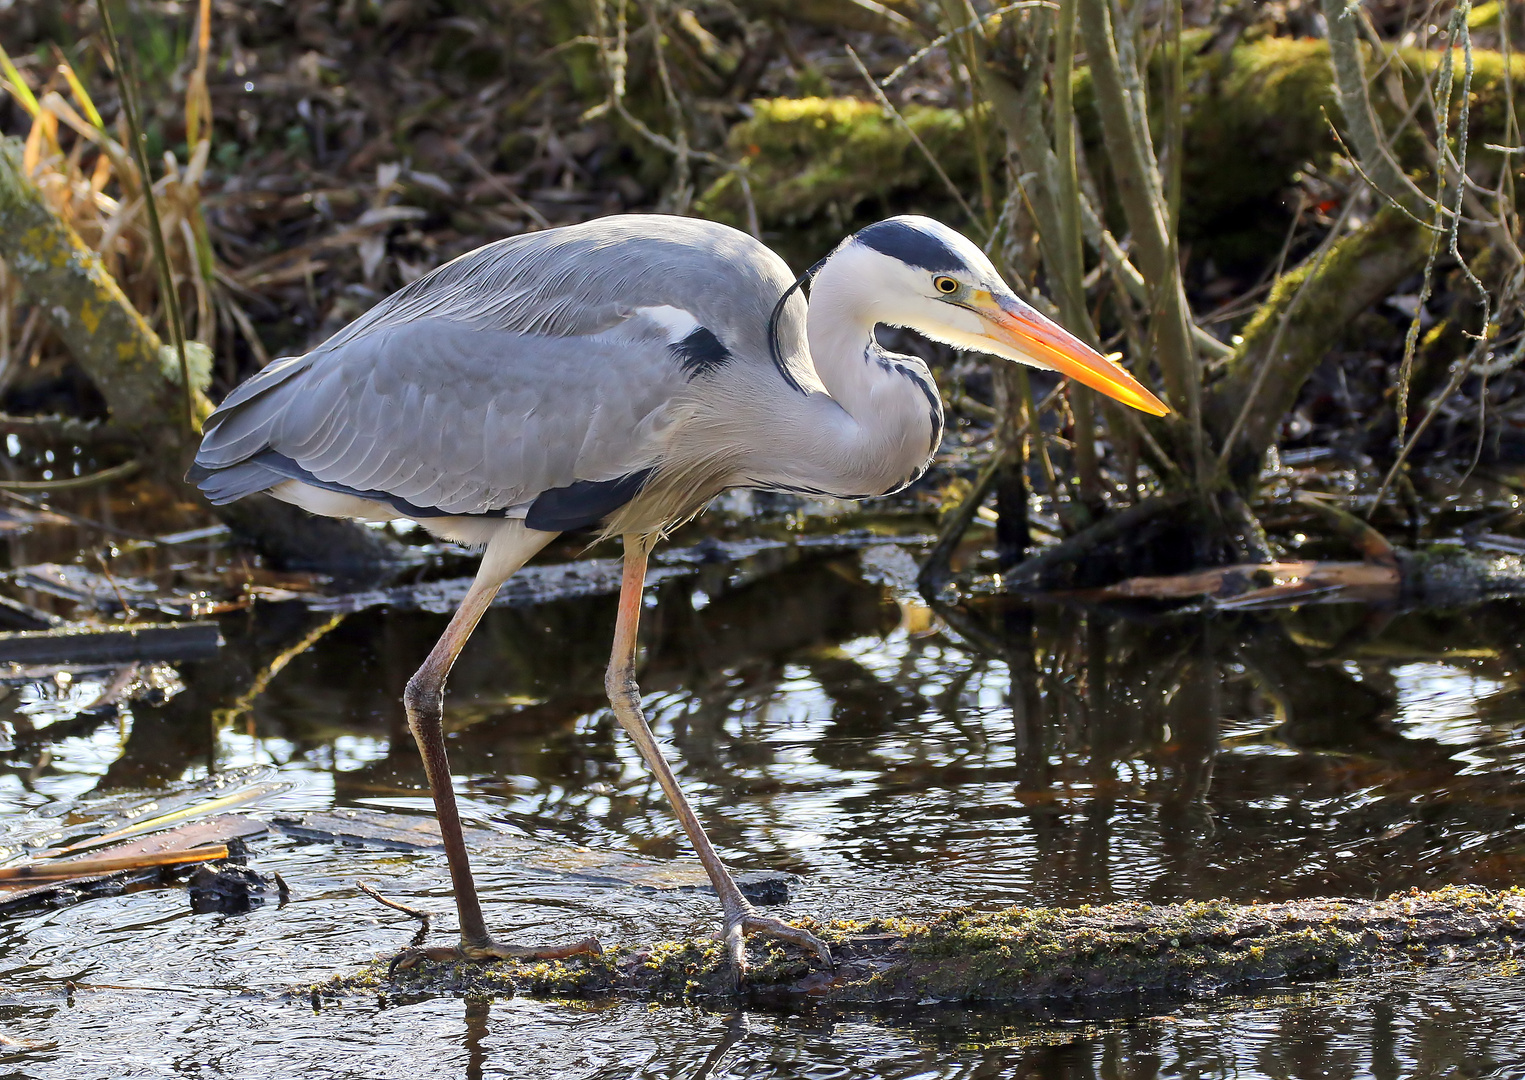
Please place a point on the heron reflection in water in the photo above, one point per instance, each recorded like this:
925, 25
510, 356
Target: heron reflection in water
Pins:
618, 375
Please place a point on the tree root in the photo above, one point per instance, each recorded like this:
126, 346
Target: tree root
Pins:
1033, 956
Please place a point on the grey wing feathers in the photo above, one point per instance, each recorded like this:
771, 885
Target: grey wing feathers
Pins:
515, 369
447, 419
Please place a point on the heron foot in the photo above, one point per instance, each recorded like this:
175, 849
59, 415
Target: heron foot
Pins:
482, 952
745, 922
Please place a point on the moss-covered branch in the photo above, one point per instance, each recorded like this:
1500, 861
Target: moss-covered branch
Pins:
104, 333
1025, 955
139, 379
1254, 116
1291, 332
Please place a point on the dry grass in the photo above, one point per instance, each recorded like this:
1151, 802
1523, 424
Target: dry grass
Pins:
82, 166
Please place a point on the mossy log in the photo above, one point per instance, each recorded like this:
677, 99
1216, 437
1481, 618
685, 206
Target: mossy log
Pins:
1035, 956
814, 162
140, 380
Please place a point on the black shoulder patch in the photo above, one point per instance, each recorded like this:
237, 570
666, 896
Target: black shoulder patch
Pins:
700, 353
585, 503
911, 245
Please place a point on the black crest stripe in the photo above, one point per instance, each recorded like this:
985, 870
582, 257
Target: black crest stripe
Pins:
912, 246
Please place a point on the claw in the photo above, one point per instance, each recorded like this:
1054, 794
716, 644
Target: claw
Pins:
804, 939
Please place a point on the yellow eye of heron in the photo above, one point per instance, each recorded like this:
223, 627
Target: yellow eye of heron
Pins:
945, 285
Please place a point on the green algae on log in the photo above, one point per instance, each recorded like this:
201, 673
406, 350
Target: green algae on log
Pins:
1034, 956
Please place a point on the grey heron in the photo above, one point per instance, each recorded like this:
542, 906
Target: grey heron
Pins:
618, 375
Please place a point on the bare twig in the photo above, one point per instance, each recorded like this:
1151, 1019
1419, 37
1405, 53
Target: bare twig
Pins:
412, 912
942, 39
155, 229
894, 113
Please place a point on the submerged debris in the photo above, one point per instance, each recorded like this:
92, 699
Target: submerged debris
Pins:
1031, 956
229, 889
111, 645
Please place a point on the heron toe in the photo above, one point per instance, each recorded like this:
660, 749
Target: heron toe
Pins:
483, 952
742, 924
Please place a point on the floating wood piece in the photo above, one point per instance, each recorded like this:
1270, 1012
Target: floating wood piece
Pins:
1122, 958
94, 645
97, 817
100, 865
1248, 584
411, 832
200, 841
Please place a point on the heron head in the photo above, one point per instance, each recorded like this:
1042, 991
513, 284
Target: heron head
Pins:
915, 272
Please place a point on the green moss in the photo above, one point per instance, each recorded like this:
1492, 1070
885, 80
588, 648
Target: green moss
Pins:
820, 166
1021, 954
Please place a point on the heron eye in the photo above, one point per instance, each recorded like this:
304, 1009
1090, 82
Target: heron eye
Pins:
945, 285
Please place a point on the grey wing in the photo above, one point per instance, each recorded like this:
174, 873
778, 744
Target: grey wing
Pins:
441, 418
517, 370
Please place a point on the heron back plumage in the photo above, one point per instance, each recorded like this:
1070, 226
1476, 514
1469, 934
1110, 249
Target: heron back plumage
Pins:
549, 362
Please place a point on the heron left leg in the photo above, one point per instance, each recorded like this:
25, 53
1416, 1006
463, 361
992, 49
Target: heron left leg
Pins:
424, 701
625, 697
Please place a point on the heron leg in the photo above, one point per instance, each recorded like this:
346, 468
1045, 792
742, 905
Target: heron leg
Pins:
625, 696
424, 702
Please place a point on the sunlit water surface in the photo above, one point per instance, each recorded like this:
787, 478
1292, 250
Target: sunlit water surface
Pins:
823, 726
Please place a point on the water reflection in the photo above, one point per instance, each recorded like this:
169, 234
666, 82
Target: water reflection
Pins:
1018, 753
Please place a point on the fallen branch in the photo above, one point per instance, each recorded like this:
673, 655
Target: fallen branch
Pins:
88, 644
73, 868
1250, 583
71, 483
1437, 578
1033, 956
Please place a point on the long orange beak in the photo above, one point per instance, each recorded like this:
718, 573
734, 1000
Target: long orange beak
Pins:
1030, 333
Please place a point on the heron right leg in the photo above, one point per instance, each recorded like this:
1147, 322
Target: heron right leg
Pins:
424, 701
625, 697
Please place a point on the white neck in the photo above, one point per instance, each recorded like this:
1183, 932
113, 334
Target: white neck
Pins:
874, 428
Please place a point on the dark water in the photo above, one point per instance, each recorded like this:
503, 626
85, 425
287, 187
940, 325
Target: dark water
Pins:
825, 724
